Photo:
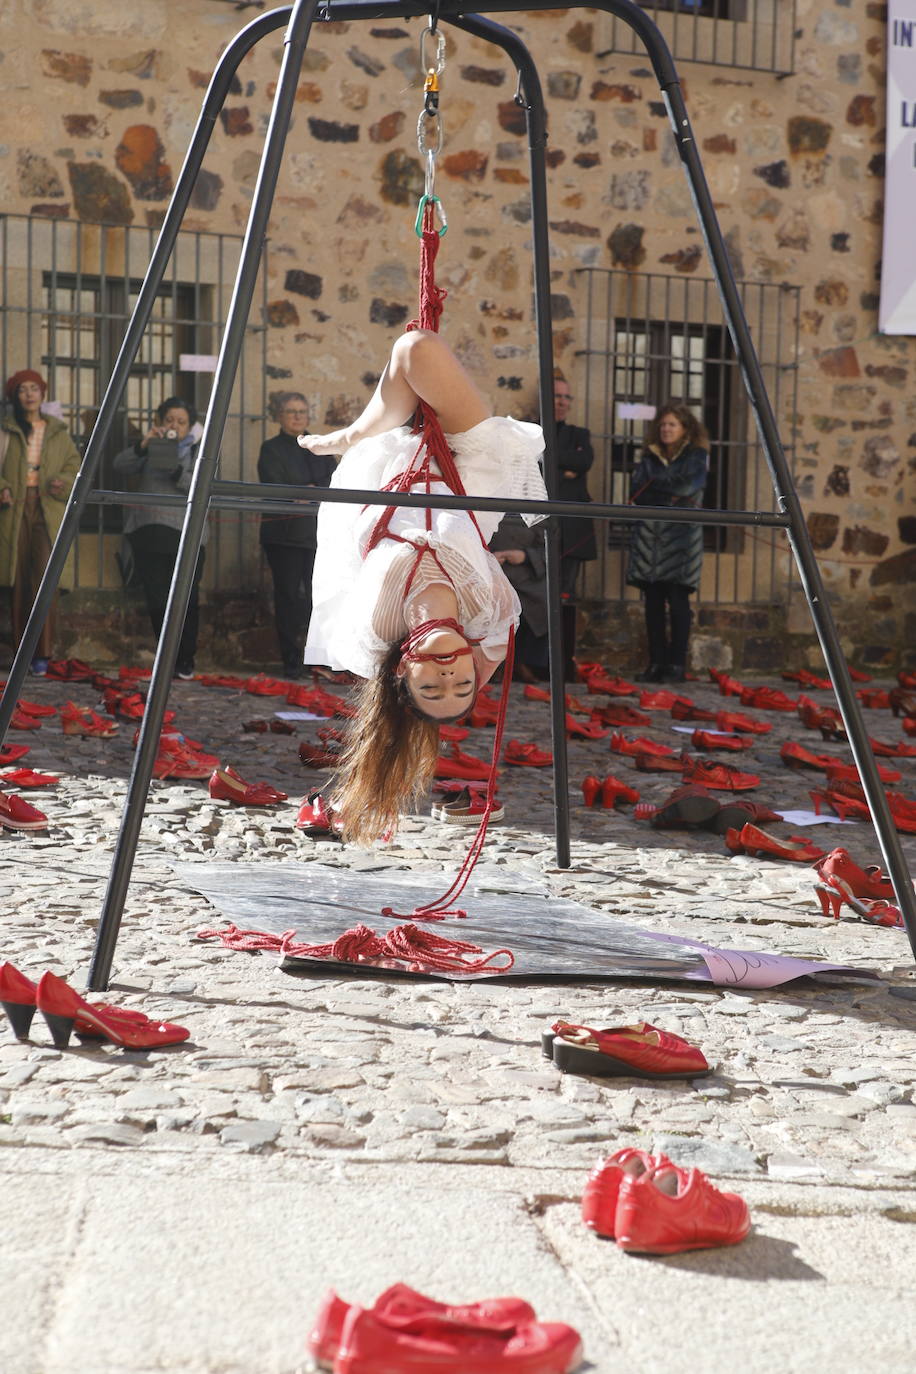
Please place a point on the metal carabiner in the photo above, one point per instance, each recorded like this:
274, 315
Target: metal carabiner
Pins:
423, 130
437, 210
439, 65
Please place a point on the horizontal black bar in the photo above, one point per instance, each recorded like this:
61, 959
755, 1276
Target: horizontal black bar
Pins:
246, 496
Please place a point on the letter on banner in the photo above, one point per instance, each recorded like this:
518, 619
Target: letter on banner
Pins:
897, 314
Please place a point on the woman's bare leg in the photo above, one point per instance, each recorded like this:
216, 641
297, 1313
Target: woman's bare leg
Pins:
421, 367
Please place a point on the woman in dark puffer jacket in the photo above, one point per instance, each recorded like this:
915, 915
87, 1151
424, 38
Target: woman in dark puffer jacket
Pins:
666, 557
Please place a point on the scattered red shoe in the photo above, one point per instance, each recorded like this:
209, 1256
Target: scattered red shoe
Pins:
536, 693
734, 722
602, 1189
682, 708
261, 686
78, 720
526, 755
808, 679
667, 1210
719, 776
621, 745
728, 686
20, 721
619, 714
25, 777
640, 1051
454, 763
659, 700
9, 753
226, 785
577, 729
795, 755
315, 817
591, 789
767, 699
862, 882
712, 739
16, 814
613, 792
750, 839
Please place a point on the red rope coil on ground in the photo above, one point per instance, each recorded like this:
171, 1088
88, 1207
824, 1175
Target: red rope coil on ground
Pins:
420, 950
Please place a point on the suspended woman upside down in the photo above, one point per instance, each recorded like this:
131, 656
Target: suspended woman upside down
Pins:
409, 600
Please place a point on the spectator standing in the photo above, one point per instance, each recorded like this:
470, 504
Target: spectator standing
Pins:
289, 540
154, 532
666, 558
38, 466
574, 459
519, 550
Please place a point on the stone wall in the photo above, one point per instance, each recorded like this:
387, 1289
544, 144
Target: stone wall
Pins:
102, 97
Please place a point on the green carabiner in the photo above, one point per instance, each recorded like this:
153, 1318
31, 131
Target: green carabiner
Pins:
418, 223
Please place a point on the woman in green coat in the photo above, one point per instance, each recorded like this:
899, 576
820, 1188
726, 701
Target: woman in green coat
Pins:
38, 468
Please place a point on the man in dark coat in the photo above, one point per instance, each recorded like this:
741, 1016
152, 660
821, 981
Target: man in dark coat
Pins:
289, 540
574, 458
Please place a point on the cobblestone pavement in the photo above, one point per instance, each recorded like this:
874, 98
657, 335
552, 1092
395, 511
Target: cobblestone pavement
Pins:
813, 1085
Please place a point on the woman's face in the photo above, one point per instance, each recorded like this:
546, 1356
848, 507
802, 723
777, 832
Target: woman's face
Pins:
30, 394
178, 419
670, 430
442, 690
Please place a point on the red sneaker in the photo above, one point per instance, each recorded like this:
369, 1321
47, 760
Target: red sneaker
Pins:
667, 1210
16, 814
403, 1309
719, 776
712, 739
750, 839
733, 722
602, 1189
621, 745
526, 755
640, 1051
613, 791
370, 1346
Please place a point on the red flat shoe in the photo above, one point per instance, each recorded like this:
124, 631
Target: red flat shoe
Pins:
10, 753
621, 714
658, 763
576, 729
733, 722
457, 764
591, 789
807, 679
713, 739
613, 791
20, 721
750, 839
602, 1189
684, 709
62, 1009
874, 698
667, 1210
848, 772
316, 818
891, 751
728, 686
719, 776
599, 681
796, 755
688, 808
526, 755
404, 1309
370, 1346
451, 734
862, 882
226, 785
640, 1051
907, 680
767, 699
16, 814
621, 745
658, 700
25, 777
313, 756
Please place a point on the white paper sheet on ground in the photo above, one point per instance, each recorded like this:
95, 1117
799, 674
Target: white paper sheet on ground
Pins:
746, 968
298, 715
811, 818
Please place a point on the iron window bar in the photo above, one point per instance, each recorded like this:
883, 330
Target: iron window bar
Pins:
299, 19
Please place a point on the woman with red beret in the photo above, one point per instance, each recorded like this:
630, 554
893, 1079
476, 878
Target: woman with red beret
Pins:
38, 468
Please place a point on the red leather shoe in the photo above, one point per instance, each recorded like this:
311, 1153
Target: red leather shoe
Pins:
600, 681
174, 760
62, 1009
254, 727
451, 734
640, 1051
719, 776
750, 839
69, 670
536, 693
907, 680
807, 679
796, 755
404, 1309
733, 722
313, 756
591, 789
682, 708
19, 720
370, 1346
10, 753
613, 791
19, 999
667, 1210
853, 807
577, 729
659, 763
316, 818
688, 808
619, 714
874, 698
26, 777
862, 882
621, 745
658, 700
728, 686
602, 1189
857, 675
767, 699
261, 686
77, 720
891, 751
226, 785
848, 772
454, 763
484, 712
16, 814
713, 739
732, 815
526, 755
836, 894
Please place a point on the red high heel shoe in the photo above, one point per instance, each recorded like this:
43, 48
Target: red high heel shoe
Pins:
591, 787
614, 791
19, 999
842, 806
62, 1009
577, 729
863, 882
728, 686
836, 894
750, 839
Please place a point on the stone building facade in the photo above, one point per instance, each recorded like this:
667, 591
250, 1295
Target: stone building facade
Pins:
101, 101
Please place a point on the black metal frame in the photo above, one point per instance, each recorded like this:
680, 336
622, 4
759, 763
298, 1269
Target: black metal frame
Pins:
300, 17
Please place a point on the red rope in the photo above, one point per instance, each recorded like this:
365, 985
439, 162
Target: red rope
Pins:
420, 950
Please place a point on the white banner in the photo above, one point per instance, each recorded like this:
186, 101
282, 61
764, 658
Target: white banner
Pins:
897, 314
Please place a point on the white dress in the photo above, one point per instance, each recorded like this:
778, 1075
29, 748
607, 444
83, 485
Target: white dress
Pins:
358, 603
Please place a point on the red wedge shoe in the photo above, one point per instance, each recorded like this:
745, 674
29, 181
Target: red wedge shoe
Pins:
62, 1009
602, 1189
713, 739
733, 722
591, 789
719, 776
613, 792
750, 839
76, 720
526, 755
640, 1051
667, 1210
16, 814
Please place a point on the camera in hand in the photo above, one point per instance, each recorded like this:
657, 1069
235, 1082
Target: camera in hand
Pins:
162, 454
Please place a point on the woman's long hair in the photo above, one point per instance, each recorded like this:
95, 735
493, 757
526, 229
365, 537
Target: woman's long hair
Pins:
695, 429
20, 418
389, 758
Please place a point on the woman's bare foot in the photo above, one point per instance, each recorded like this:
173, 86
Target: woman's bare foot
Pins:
326, 444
